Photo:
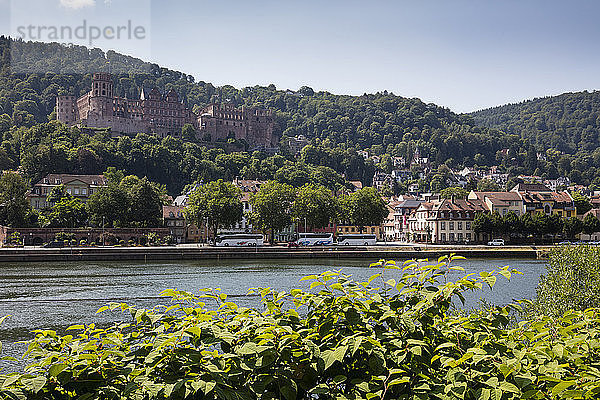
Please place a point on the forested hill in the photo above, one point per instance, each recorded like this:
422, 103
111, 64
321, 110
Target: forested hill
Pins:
569, 122
381, 122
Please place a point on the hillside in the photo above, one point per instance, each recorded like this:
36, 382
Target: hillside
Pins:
381, 122
569, 122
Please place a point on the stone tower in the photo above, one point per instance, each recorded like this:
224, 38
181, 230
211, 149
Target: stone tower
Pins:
101, 96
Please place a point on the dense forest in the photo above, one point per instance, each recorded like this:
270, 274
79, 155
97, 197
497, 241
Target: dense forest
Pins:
565, 127
338, 126
382, 121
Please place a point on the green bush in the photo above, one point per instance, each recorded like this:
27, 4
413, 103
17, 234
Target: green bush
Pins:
64, 237
572, 281
342, 339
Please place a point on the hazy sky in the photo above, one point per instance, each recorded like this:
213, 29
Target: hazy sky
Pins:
461, 54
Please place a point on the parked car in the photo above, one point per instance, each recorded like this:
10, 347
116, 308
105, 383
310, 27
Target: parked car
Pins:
55, 244
496, 242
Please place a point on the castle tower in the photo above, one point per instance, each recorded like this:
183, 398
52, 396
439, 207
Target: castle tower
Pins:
101, 97
102, 85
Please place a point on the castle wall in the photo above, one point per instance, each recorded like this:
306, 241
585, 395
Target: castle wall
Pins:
163, 115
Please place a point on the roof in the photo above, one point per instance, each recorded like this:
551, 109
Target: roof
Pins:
540, 197
177, 212
409, 204
181, 200
63, 179
461, 205
594, 211
248, 185
357, 184
530, 187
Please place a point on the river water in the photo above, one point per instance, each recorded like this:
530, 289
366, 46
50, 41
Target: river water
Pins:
56, 295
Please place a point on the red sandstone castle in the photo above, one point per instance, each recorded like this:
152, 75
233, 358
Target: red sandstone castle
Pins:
163, 115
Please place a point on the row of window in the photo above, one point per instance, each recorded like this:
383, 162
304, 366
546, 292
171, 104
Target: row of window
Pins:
451, 224
456, 238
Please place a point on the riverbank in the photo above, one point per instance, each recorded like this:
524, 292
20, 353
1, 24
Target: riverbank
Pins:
146, 254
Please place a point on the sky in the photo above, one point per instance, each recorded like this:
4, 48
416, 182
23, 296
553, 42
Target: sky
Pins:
462, 54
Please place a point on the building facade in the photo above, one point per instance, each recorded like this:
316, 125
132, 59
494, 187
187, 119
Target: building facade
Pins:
163, 115
79, 186
445, 221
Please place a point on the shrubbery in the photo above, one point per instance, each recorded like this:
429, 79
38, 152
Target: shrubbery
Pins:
572, 281
342, 339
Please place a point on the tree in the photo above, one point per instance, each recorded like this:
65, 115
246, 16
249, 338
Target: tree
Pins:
15, 211
364, 207
188, 133
582, 203
511, 224
488, 185
218, 202
483, 223
145, 203
68, 212
572, 227
109, 206
572, 281
57, 193
316, 205
454, 192
271, 207
591, 224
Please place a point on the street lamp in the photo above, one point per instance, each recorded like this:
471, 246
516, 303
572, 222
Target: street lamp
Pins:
103, 234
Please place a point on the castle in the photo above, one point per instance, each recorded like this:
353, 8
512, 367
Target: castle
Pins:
163, 115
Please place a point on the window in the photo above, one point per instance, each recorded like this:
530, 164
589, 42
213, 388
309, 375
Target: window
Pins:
468, 236
443, 225
76, 191
452, 237
468, 226
451, 224
84, 191
443, 237
459, 226
460, 237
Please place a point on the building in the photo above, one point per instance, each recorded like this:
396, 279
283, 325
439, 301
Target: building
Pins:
79, 186
296, 144
174, 221
500, 202
221, 122
445, 221
538, 198
163, 114
402, 212
371, 230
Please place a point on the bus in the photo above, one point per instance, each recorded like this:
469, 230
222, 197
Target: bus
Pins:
239, 239
314, 239
356, 239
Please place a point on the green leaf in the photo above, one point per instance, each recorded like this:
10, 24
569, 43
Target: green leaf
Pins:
290, 391
331, 356
34, 384
509, 387
562, 386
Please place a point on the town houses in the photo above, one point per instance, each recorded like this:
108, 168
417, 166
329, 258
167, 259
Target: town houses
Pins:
421, 217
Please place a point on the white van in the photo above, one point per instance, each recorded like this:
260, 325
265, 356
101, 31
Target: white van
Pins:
496, 242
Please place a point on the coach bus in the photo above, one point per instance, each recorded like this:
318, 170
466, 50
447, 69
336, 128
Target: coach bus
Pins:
356, 239
239, 239
314, 239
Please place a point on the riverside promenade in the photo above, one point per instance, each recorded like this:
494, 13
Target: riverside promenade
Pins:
193, 252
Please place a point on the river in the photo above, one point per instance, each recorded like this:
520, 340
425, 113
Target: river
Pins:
56, 295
